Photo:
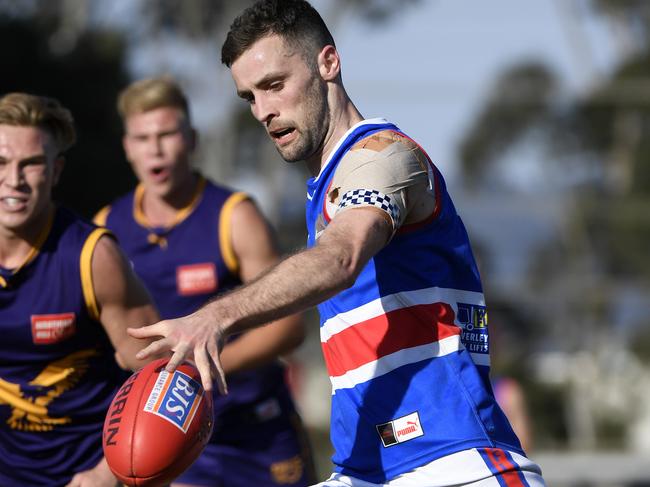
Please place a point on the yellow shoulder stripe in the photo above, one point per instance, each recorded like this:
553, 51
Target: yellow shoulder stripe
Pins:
85, 262
182, 214
225, 231
101, 216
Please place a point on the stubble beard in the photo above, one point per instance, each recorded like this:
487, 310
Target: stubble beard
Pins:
312, 134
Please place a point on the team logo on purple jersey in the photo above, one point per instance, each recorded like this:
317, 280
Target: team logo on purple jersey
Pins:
176, 398
196, 279
52, 328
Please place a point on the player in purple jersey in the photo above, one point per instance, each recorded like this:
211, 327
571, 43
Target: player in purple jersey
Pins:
189, 240
67, 296
403, 319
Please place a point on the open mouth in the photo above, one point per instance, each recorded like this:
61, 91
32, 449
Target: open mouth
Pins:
159, 172
13, 203
282, 133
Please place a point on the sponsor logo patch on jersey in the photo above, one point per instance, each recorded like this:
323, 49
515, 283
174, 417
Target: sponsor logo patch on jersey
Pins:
473, 319
175, 397
196, 279
52, 328
400, 430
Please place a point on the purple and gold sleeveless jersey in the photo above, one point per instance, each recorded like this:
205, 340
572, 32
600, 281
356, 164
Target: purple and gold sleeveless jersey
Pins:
183, 266
406, 347
57, 368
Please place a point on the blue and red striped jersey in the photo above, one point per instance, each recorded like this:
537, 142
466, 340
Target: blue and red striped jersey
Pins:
406, 347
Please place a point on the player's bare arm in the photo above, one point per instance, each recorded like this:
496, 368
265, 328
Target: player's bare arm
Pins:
255, 249
295, 284
122, 300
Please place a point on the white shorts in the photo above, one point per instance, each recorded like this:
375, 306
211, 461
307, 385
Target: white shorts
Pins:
478, 467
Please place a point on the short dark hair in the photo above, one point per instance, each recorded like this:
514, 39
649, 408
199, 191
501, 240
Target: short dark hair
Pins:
296, 21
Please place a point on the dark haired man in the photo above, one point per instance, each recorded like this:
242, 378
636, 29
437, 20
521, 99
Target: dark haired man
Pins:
389, 264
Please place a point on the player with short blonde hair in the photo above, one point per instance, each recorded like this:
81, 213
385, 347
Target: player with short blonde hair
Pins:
67, 296
23, 109
150, 93
189, 240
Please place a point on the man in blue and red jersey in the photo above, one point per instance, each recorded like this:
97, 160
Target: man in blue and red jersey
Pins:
389, 264
189, 240
67, 296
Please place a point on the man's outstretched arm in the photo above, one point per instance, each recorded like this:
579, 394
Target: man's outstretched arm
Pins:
295, 284
254, 248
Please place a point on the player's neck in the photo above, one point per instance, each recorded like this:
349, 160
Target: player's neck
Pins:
342, 119
16, 245
162, 210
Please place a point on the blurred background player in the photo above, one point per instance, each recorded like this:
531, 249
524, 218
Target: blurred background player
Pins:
512, 400
67, 296
190, 239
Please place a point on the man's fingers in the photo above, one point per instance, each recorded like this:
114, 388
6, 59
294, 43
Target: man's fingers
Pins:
182, 350
202, 361
154, 348
214, 350
155, 330
221, 377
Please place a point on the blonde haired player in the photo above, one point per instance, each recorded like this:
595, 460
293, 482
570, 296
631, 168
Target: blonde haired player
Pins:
190, 239
67, 296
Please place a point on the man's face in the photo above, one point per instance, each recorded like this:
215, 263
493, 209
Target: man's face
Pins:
29, 168
158, 144
286, 96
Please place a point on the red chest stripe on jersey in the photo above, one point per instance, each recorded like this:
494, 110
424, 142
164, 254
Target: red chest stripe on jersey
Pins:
382, 335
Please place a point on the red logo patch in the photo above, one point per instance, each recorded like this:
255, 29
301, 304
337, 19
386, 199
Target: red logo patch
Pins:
196, 279
54, 328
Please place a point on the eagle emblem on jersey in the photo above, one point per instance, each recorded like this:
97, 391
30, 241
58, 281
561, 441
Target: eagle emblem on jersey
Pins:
29, 411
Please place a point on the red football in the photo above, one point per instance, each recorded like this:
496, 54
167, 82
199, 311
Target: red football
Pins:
157, 424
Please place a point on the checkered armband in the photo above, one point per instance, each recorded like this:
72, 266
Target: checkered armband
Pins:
371, 197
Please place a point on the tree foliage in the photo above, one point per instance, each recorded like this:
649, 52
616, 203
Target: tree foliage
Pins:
85, 79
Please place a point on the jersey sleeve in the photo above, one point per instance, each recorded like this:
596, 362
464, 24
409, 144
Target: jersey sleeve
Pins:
225, 230
379, 173
101, 216
85, 265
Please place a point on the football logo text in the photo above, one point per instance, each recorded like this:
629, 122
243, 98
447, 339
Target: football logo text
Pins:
175, 397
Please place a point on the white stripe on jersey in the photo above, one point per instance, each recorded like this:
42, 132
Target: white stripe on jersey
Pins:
390, 362
463, 468
396, 301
